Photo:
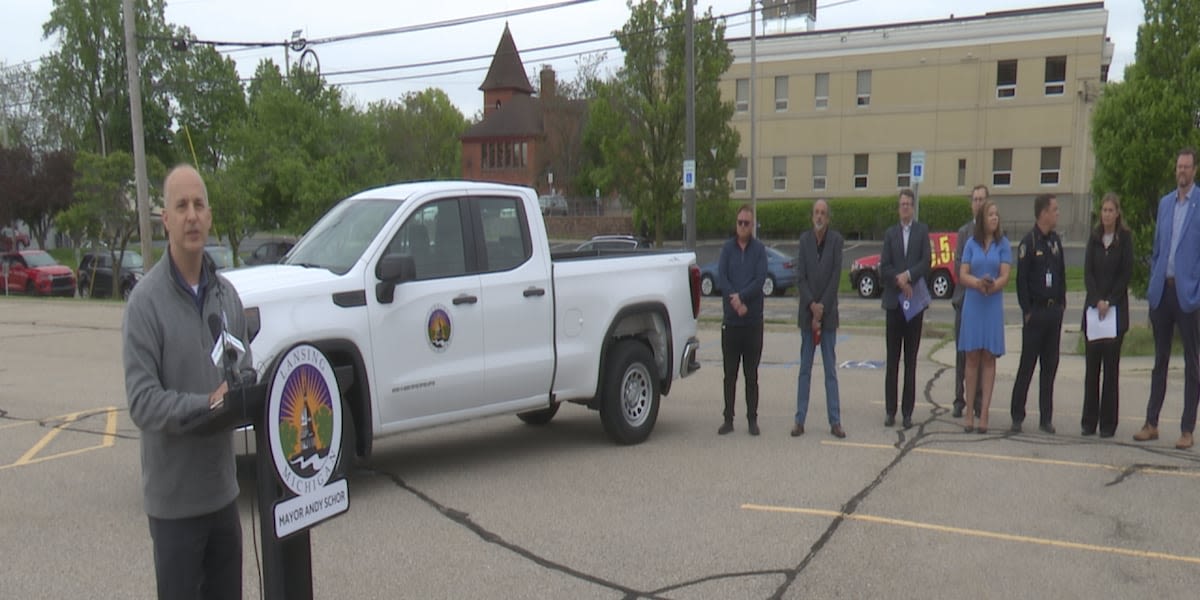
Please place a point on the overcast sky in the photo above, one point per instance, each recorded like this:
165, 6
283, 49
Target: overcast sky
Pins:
275, 20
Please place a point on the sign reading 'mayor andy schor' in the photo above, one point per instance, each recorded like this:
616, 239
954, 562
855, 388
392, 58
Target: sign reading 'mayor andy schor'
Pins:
304, 423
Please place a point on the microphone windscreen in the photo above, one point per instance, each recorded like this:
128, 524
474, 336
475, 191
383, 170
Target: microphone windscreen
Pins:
214, 326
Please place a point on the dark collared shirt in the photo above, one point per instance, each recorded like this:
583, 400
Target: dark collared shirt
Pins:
1041, 271
197, 295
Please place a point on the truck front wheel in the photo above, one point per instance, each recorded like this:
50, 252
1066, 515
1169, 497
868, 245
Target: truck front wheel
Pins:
629, 401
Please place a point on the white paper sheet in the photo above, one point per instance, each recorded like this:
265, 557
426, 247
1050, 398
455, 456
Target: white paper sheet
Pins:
1101, 329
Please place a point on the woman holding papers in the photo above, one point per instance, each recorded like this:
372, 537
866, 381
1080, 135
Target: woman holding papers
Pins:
986, 261
1107, 267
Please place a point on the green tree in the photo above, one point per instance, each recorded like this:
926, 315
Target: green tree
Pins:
301, 148
104, 212
1141, 123
53, 181
85, 100
211, 104
419, 135
20, 121
635, 132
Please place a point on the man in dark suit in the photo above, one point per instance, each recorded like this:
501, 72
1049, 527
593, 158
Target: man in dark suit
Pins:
818, 272
1174, 295
903, 265
978, 196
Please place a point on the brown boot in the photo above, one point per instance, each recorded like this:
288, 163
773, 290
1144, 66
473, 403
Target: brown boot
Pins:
1148, 432
1185, 441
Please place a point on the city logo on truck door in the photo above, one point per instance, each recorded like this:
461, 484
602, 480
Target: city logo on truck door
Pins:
438, 329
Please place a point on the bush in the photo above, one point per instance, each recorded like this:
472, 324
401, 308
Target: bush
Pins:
855, 218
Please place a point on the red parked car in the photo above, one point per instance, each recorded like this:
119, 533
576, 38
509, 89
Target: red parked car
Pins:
864, 273
36, 273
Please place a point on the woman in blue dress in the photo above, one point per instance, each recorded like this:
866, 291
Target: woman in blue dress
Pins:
986, 261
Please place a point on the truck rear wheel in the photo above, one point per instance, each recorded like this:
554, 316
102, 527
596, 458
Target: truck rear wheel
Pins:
540, 416
629, 400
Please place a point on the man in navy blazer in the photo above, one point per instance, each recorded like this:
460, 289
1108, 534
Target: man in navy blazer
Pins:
904, 264
1174, 295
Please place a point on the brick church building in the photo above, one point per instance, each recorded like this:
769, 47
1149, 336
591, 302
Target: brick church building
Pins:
523, 139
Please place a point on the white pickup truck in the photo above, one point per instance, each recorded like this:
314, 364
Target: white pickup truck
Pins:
438, 302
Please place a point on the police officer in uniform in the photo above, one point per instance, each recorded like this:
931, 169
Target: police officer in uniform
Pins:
1042, 293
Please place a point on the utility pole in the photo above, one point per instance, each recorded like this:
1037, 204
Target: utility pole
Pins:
689, 153
139, 136
753, 84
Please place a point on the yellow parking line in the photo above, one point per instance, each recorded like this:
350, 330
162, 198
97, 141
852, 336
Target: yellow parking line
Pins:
107, 440
1025, 459
17, 424
978, 533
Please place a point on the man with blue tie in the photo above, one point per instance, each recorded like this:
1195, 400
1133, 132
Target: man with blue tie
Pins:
1174, 295
903, 264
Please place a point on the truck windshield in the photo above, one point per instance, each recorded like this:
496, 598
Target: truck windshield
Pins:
338, 240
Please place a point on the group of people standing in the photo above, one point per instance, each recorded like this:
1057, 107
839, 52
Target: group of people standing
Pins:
984, 264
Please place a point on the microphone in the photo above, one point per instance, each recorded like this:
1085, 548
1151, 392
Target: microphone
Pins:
229, 356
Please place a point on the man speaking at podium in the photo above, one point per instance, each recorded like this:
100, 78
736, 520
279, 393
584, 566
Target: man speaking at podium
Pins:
175, 318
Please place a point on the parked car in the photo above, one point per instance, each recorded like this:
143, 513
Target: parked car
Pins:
614, 242
36, 273
13, 239
553, 205
96, 274
269, 253
864, 272
221, 255
781, 275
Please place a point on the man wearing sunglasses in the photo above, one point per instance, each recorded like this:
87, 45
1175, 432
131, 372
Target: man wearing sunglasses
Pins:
741, 271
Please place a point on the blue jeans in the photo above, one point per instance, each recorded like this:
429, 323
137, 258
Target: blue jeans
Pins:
804, 381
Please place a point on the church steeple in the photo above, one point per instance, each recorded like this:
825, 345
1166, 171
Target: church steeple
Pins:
507, 71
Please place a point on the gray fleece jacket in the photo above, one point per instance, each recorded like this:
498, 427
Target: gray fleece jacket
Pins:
168, 377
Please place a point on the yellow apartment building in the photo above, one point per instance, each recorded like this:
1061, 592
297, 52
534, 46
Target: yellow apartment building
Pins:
1003, 98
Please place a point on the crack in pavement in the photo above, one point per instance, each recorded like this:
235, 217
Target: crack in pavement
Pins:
905, 443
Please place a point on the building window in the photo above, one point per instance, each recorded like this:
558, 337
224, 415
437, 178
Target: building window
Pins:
781, 93
1006, 79
822, 91
903, 169
1002, 167
1051, 165
1056, 75
864, 88
962, 172
861, 167
739, 175
779, 173
742, 102
818, 171
504, 155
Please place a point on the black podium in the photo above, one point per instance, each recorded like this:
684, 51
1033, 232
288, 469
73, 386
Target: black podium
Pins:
287, 562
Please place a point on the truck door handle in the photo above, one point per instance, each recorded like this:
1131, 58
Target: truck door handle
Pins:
534, 291
465, 299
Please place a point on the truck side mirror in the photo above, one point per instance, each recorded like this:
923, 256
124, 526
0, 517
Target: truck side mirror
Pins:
392, 270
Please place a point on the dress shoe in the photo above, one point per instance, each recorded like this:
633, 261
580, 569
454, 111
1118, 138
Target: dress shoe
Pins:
907, 422
968, 429
1047, 428
753, 427
889, 421
981, 430
958, 410
1104, 433
726, 427
1088, 431
797, 430
1016, 427
1185, 441
1148, 432
837, 431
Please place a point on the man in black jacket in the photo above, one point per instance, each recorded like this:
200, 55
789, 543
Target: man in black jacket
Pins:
902, 266
818, 272
1042, 293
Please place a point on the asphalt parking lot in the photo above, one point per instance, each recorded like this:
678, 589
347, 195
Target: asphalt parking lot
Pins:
498, 509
